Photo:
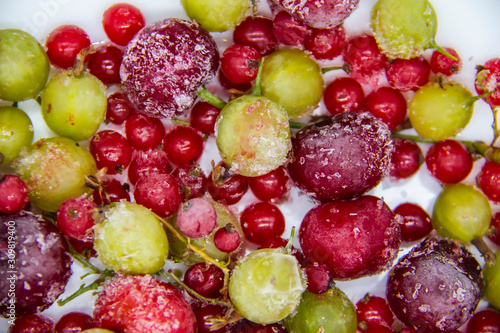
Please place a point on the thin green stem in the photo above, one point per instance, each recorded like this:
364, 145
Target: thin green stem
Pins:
496, 132
475, 147
199, 251
294, 124
78, 257
288, 246
174, 279
446, 53
207, 96
257, 86
85, 288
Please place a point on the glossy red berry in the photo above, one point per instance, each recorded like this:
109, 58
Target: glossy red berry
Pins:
406, 159
373, 311
144, 132
325, 44
415, 223
183, 145
272, 186
240, 63
408, 74
364, 58
13, 194
205, 313
388, 104
488, 81
205, 279
262, 221
449, 161
488, 180
74, 322
485, 321
494, 233
192, 181
256, 31
121, 22
110, 150
343, 94
74, 217
227, 190
111, 190
64, 43
230, 85
119, 108
443, 64
35, 323
105, 63
203, 116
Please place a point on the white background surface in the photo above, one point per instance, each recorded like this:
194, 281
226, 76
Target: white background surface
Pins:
471, 27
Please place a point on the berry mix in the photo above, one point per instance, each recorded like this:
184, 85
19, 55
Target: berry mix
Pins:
279, 166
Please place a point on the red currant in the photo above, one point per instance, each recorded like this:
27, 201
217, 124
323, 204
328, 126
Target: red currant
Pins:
144, 132
488, 180
203, 116
13, 194
373, 311
326, 43
449, 161
64, 43
406, 159
262, 221
388, 104
343, 94
74, 217
111, 151
415, 224
443, 64
256, 31
271, 186
408, 74
121, 22
240, 63
183, 144
105, 63
119, 108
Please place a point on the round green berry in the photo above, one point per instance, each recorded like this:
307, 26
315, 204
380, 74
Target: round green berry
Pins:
16, 132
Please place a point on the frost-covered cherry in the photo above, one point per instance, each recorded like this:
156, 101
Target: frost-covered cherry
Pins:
165, 64
341, 157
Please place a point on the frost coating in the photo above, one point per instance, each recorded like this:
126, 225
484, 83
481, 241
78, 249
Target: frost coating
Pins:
321, 14
165, 64
448, 279
143, 304
342, 157
267, 285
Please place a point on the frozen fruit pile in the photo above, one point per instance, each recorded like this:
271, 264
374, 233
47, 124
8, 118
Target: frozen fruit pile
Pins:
228, 172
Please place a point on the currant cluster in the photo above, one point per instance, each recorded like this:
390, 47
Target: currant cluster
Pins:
299, 112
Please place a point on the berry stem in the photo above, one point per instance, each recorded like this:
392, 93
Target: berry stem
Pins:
199, 251
78, 257
207, 96
486, 252
288, 246
256, 88
446, 53
475, 147
84, 288
345, 67
295, 124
